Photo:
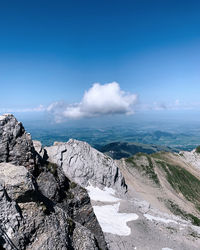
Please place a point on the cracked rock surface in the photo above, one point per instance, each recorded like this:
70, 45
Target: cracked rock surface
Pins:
15, 144
84, 164
40, 209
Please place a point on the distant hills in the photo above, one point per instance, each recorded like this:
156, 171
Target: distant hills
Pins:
180, 138
118, 150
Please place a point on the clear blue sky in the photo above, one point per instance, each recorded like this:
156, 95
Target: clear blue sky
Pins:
55, 50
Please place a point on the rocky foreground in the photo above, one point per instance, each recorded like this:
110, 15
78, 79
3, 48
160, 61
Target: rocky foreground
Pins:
40, 208
70, 196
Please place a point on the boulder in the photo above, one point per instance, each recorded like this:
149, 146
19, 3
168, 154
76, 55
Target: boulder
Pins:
17, 181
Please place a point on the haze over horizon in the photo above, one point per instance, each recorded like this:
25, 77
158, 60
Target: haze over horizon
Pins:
85, 59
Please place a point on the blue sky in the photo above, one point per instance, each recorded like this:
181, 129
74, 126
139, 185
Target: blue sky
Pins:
51, 52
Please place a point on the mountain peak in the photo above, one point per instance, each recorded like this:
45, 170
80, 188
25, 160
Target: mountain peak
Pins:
84, 164
15, 144
40, 207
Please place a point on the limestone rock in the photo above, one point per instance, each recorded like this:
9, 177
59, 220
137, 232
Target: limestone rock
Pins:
80, 239
73, 199
16, 180
84, 164
48, 186
40, 208
191, 157
37, 222
10, 219
39, 149
15, 144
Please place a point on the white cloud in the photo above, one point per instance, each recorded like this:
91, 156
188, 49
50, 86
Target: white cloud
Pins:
40, 108
174, 105
98, 100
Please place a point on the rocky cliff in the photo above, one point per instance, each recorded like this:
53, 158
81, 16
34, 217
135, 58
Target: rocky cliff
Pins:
85, 165
40, 208
15, 144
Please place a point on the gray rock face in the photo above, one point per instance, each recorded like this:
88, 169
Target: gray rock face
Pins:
10, 219
44, 211
81, 241
74, 199
15, 144
38, 148
80, 210
84, 164
16, 180
36, 222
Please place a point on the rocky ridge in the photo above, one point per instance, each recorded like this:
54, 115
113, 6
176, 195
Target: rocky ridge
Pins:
158, 216
44, 202
40, 208
85, 165
16, 145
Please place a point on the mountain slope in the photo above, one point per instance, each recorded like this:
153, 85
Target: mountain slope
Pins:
155, 205
165, 180
71, 196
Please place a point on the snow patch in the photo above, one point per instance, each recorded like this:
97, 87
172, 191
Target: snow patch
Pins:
111, 221
105, 195
151, 218
167, 248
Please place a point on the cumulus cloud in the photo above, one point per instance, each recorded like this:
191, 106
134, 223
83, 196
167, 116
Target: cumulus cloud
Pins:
98, 100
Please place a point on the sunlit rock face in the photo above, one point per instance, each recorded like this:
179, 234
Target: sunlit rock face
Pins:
15, 144
85, 165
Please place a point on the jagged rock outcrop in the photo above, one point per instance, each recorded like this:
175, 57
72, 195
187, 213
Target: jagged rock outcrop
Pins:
15, 144
31, 225
17, 181
84, 164
40, 209
71, 198
191, 157
39, 149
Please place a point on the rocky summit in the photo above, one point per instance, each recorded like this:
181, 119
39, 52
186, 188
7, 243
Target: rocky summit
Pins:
15, 144
40, 209
85, 165
71, 196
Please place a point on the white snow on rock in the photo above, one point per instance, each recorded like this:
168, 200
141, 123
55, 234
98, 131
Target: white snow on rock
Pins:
111, 221
105, 195
154, 218
167, 248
